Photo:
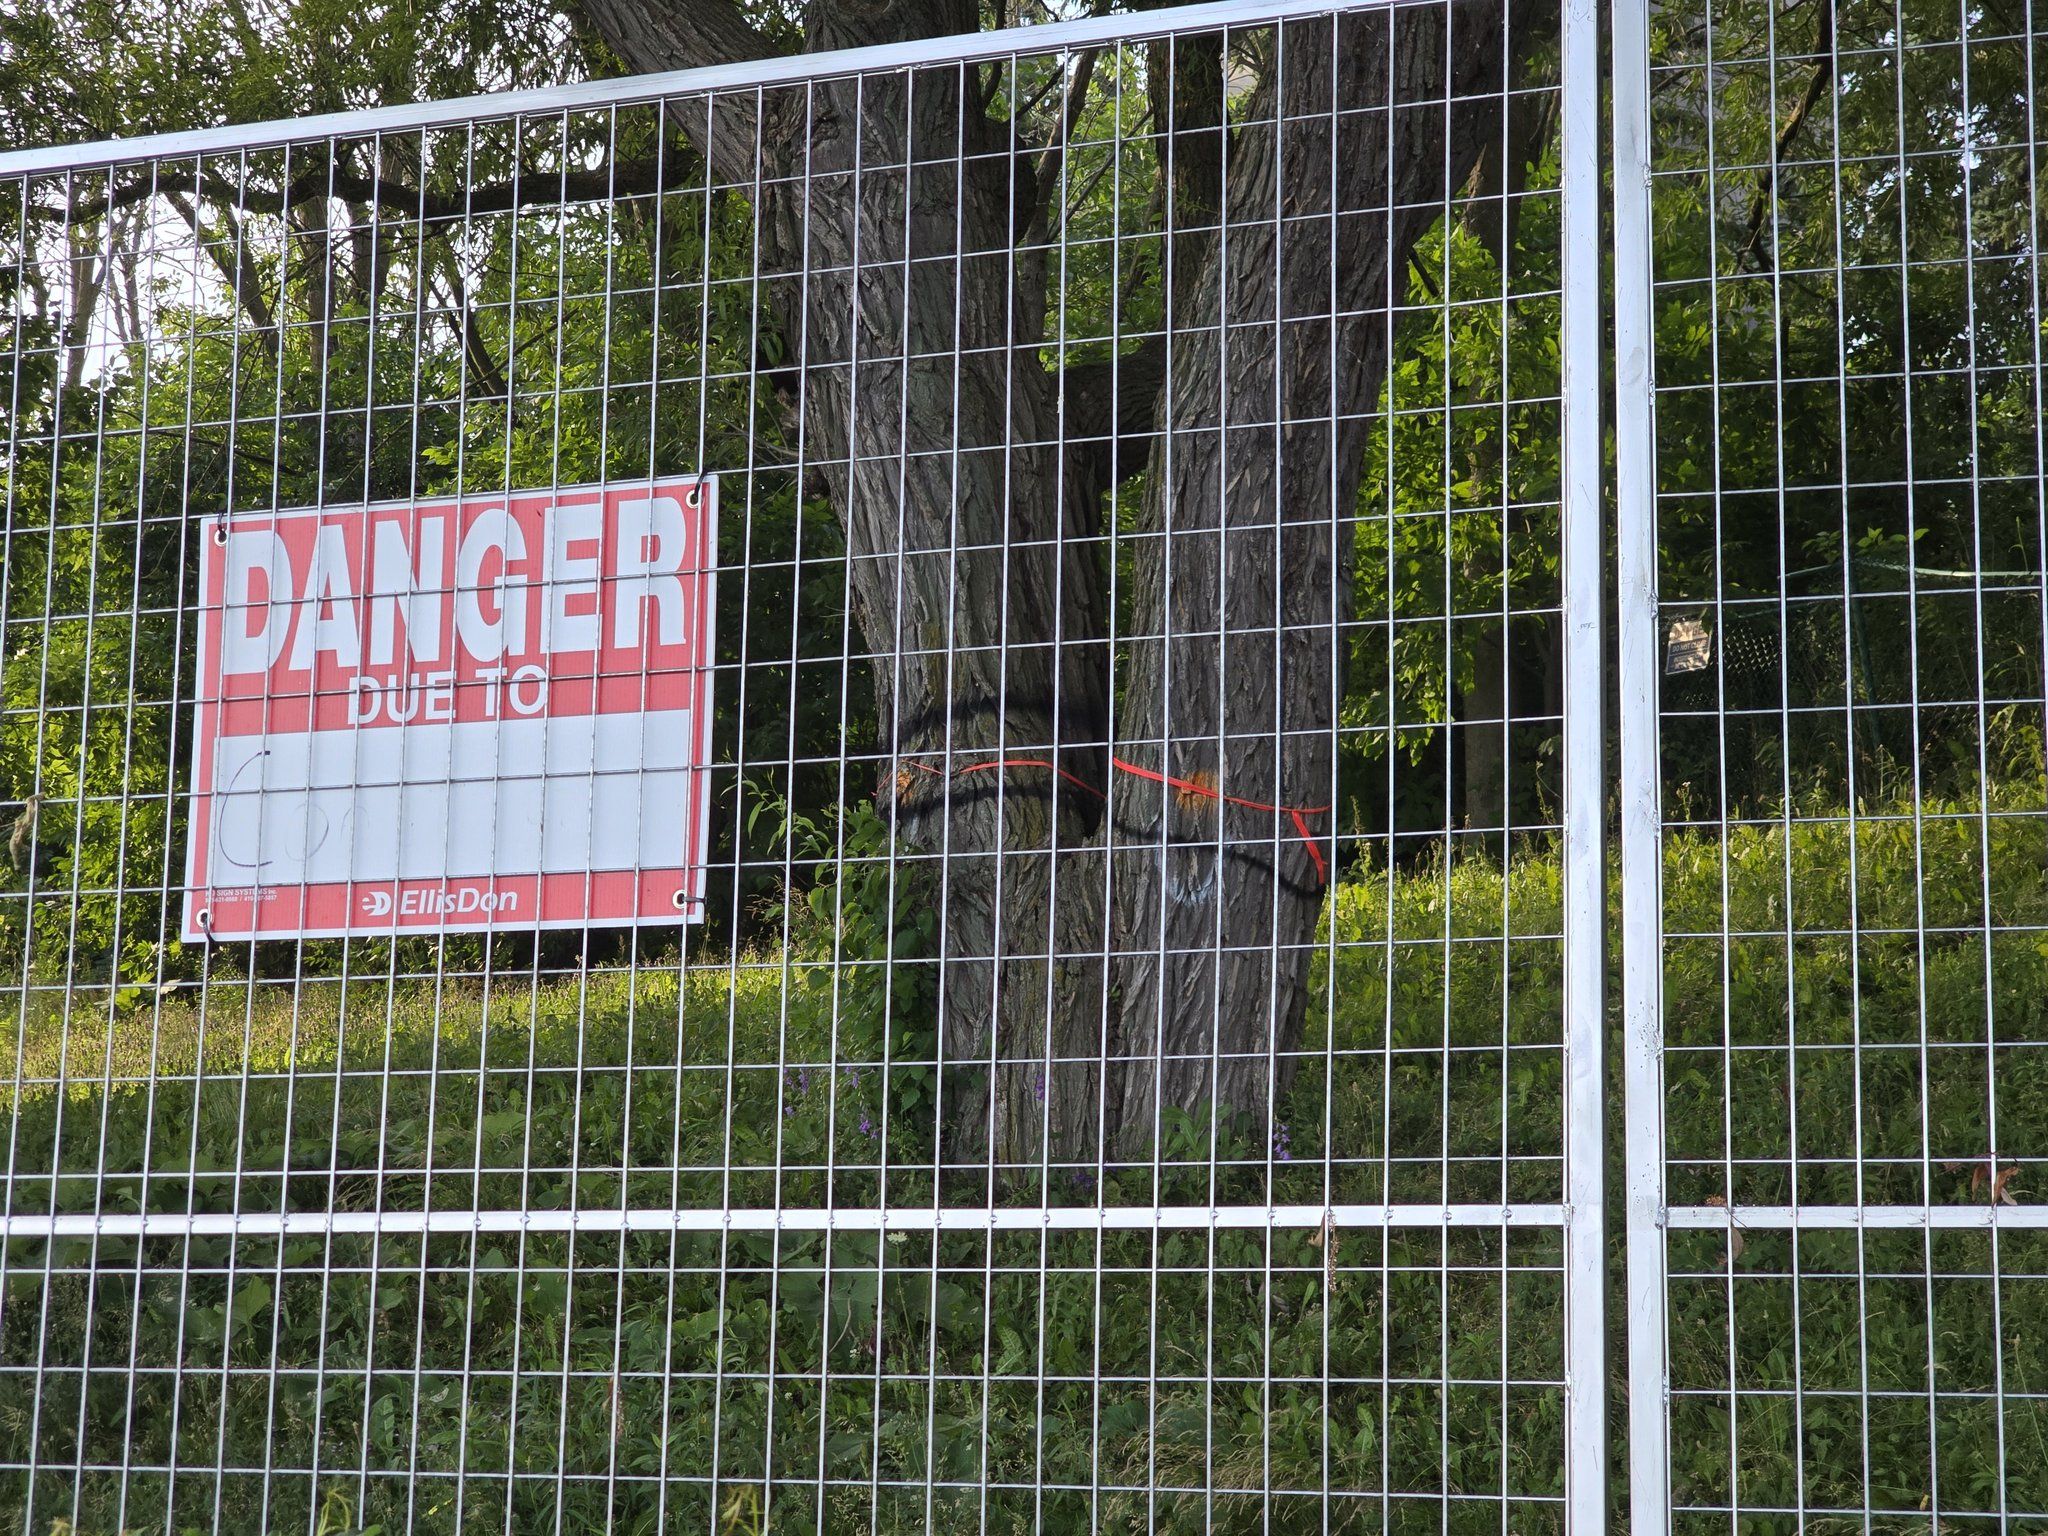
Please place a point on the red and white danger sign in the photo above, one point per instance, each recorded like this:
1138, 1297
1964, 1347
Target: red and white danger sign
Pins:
491, 712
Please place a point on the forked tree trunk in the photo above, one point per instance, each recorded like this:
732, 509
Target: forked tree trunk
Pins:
1173, 936
1240, 600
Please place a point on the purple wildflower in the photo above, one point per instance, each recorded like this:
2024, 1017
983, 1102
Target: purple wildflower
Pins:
796, 1084
867, 1126
1038, 1086
1283, 1143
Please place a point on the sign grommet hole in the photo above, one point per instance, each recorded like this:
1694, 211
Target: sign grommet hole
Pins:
680, 901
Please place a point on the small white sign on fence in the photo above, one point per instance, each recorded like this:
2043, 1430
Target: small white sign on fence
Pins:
490, 711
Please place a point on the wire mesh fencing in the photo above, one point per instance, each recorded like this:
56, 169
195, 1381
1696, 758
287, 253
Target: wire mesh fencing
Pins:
1834, 633
841, 795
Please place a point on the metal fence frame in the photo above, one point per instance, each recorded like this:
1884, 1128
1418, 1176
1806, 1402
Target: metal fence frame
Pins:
1651, 1217
1581, 1217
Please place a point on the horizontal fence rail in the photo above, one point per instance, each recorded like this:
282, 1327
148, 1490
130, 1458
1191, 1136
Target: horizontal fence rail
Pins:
835, 794
839, 1219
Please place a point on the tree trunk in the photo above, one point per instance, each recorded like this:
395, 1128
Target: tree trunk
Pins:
977, 586
1173, 936
1237, 668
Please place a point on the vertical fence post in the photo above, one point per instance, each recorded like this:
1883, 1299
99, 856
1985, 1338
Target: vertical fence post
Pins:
1585, 1336
1642, 905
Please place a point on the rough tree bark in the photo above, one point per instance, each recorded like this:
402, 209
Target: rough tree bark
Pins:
1237, 602
1179, 928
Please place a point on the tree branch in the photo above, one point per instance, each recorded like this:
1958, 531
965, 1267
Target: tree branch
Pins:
238, 270
1767, 187
476, 349
88, 278
655, 35
1124, 393
652, 35
529, 188
1186, 85
1495, 190
1046, 175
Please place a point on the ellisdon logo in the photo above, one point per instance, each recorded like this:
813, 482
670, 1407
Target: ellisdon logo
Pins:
433, 903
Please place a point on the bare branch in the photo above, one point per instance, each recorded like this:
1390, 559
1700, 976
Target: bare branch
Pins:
1495, 190
237, 267
476, 348
1129, 388
88, 280
651, 35
538, 187
1047, 172
1767, 186
1186, 83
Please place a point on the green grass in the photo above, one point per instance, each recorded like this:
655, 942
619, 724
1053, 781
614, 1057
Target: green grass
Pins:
571, 1376
1813, 1049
